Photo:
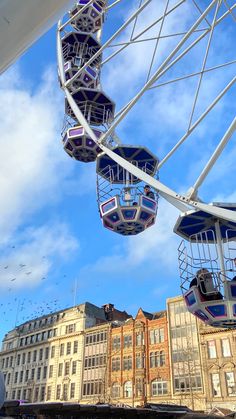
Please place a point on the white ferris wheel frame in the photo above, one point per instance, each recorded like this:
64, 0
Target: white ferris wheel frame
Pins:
180, 201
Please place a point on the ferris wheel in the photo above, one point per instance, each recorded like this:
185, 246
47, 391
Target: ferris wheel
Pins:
177, 39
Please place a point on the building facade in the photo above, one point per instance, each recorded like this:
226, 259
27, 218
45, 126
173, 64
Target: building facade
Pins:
89, 354
139, 361
42, 359
185, 356
219, 366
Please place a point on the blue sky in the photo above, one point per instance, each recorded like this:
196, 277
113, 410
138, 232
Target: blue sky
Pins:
51, 237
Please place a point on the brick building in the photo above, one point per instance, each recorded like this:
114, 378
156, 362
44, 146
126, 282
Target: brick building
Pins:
139, 360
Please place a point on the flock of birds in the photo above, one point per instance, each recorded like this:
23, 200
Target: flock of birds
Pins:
15, 307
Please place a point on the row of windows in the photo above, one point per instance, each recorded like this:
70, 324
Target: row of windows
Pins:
40, 355
40, 373
185, 355
67, 349
94, 361
157, 359
93, 388
225, 348
97, 337
38, 337
229, 381
155, 336
157, 387
42, 393
67, 368
187, 383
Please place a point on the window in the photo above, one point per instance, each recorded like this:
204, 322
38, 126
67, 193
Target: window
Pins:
127, 363
8, 378
187, 383
18, 394
128, 389
11, 361
23, 358
139, 338
115, 390
225, 345
3, 363
13, 395
58, 392
70, 328
139, 387
74, 363
139, 361
35, 356
94, 361
157, 359
45, 372
158, 388
24, 394
92, 388
40, 354
16, 377
29, 357
39, 373
32, 338
65, 392
115, 364
116, 342
26, 375
127, 341
75, 347
230, 383
62, 348
72, 390
67, 368
52, 351
42, 393
68, 348
60, 367
50, 371
93, 338
18, 359
216, 390
49, 393
47, 352
21, 376
32, 373
157, 336
36, 394
211, 345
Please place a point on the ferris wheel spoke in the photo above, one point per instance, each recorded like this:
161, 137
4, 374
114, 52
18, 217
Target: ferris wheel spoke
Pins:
196, 123
136, 38
230, 10
204, 64
112, 5
187, 76
200, 11
157, 41
213, 158
163, 68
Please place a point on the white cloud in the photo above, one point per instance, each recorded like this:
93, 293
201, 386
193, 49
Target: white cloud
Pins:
155, 248
32, 162
29, 261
